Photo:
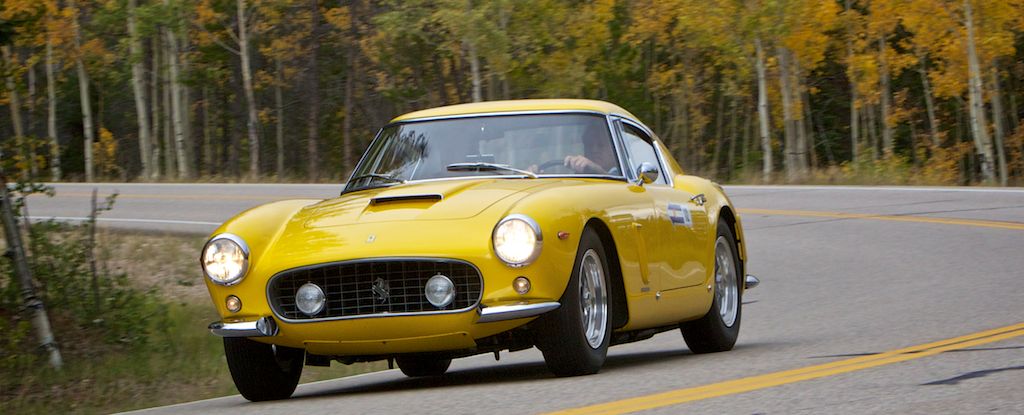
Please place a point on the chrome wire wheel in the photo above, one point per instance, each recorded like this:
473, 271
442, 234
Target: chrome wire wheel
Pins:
726, 289
593, 299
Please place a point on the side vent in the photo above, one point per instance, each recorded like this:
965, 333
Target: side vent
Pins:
428, 197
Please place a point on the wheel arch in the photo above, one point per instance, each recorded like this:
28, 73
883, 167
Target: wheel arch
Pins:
729, 217
620, 309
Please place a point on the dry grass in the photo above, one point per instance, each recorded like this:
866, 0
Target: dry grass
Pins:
181, 362
166, 262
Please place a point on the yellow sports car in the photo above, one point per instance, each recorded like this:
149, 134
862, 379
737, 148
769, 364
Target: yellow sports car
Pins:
480, 228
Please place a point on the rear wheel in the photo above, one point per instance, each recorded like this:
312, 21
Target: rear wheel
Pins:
574, 338
423, 365
263, 372
718, 329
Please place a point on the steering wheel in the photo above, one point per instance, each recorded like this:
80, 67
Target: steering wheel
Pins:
553, 164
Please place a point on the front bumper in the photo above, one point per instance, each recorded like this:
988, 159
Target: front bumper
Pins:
262, 327
267, 327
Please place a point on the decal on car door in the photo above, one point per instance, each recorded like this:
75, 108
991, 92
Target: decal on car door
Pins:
680, 215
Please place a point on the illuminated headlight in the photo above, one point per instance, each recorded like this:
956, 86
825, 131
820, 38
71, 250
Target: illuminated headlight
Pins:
517, 240
310, 299
225, 259
440, 291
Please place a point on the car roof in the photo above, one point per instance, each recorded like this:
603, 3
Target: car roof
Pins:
521, 105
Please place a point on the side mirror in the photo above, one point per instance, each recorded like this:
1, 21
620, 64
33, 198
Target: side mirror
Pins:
646, 173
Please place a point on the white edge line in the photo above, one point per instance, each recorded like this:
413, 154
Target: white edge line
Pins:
883, 188
343, 378
163, 221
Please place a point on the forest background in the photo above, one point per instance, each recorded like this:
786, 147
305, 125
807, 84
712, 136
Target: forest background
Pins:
799, 91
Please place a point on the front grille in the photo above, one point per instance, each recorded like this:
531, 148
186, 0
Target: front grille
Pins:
350, 291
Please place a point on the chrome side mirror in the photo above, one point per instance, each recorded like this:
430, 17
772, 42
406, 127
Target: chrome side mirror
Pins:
646, 173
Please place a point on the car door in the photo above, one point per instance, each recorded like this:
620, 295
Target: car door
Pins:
676, 255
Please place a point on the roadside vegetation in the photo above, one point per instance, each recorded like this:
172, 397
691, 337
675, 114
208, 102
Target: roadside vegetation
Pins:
782, 91
143, 343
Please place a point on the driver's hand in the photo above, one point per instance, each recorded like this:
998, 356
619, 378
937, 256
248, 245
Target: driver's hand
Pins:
533, 168
581, 164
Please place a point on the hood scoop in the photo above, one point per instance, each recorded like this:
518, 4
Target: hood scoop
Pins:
425, 197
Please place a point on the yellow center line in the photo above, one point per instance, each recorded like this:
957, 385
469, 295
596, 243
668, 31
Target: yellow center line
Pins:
896, 218
768, 380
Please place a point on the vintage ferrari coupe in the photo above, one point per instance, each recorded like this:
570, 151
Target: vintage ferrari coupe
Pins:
479, 228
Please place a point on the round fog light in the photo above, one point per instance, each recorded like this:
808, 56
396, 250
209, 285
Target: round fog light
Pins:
310, 299
440, 291
521, 285
233, 304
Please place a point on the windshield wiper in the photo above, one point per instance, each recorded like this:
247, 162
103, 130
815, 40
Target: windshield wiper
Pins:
385, 177
488, 167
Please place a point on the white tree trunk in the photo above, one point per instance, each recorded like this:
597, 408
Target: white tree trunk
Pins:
762, 110
187, 116
170, 165
786, 90
979, 128
997, 121
154, 96
177, 110
30, 146
207, 133
14, 104
929, 103
86, 101
34, 307
51, 112
279, 115
854, 113
139, 90
474, 68
883, 84
250, 97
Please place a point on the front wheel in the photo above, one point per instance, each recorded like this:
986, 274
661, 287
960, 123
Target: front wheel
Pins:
263, 372
718, 329
575, 337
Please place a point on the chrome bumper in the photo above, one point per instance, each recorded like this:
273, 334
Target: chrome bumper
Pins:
267, 327
512, 312
264, 327
750, 282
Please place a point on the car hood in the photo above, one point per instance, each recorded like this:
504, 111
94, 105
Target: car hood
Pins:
427, 201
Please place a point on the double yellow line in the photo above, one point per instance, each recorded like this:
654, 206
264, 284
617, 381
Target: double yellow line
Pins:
679, 396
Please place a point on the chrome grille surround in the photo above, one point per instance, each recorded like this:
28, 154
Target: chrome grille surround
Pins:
351, 292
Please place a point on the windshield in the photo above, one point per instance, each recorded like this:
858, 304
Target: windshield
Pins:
525, 146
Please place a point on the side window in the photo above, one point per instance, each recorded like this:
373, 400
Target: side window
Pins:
639, 150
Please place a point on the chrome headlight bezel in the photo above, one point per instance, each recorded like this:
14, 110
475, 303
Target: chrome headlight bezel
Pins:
243, 267
537, 245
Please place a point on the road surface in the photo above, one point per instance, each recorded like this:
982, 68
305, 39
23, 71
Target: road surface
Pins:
873, 300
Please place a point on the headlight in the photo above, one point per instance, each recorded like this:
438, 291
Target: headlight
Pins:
225, 259
517, 240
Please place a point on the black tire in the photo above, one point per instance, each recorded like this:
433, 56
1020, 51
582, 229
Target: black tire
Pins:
710, 333
561, 335
263, 372
415, 366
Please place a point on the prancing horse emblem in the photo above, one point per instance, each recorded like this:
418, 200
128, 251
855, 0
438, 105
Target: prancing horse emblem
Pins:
381, 290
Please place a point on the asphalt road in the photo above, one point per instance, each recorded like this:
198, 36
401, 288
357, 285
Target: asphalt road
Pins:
850, 276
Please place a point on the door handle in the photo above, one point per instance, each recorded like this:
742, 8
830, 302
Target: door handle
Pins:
699, 199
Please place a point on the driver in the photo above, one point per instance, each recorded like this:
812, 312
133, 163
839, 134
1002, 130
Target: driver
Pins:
598, 157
